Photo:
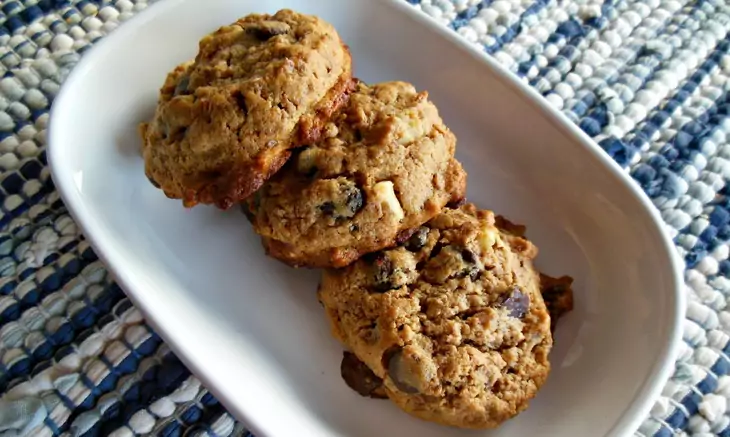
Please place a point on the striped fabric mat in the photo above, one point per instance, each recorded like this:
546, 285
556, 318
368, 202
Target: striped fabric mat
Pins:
646, 79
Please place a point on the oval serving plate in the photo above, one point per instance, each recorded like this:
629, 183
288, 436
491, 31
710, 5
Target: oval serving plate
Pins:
252, 329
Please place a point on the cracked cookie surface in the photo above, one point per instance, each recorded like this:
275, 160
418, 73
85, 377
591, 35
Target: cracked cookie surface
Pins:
384, 166
452, 320
227, 121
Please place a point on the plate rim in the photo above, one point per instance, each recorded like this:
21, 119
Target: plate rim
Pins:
649, 391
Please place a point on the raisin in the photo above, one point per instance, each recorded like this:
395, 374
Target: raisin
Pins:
403, 235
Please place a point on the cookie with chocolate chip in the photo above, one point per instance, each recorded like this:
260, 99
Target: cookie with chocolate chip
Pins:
227, 121
452, 320
384, 166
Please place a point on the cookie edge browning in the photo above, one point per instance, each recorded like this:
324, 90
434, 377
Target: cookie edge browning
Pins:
525, 251
310, 126
343, 256
236, 184
412, 405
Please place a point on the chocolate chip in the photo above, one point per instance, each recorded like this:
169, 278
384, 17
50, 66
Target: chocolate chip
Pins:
468, 256
348, 202
398, 371
354, 228
327, 207
436, 249
182, 85
517, 303
417, 240
383, 270
472, 269
454, 204
268, 29
473, 272
360, 378
354, 200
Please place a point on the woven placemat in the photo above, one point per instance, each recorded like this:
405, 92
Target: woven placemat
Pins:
647, 80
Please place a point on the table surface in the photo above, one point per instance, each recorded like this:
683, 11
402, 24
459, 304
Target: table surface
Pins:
646, 79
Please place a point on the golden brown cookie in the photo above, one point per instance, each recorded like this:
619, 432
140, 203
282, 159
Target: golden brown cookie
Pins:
228, 120
384, 167
452, 320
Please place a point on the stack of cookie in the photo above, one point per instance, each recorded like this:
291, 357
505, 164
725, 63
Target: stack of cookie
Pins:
437, 301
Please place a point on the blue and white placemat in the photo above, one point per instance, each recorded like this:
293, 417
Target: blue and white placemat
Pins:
647, 79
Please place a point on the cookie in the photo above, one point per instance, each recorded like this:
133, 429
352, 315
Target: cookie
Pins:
452, 320
384, 166
228, 120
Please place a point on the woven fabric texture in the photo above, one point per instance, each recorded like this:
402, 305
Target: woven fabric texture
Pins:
647, 79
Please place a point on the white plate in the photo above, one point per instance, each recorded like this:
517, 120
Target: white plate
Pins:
252, 329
